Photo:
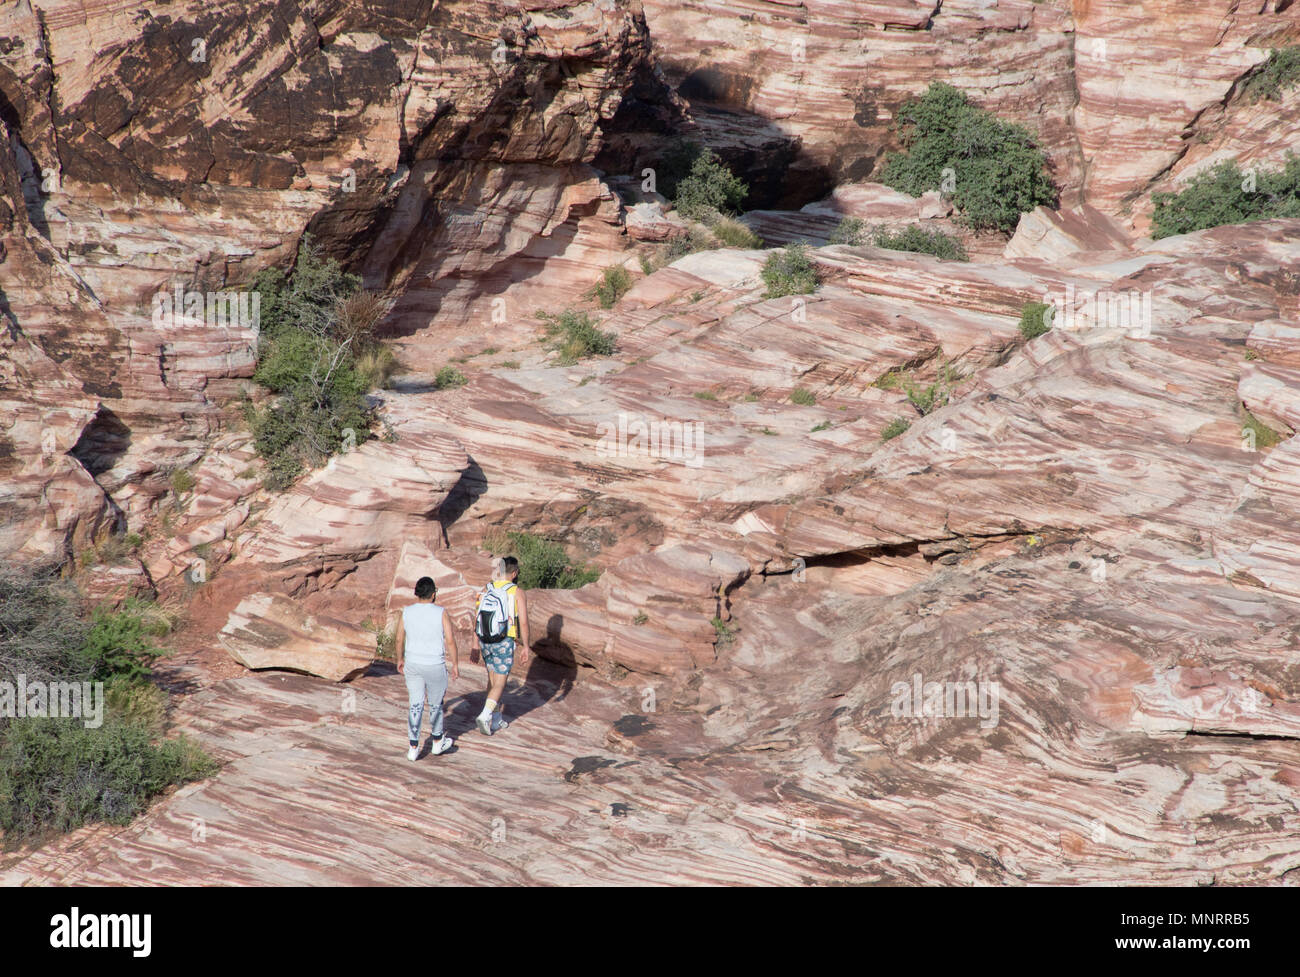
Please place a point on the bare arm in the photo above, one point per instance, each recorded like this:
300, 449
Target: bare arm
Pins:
399, 642
449, 639
521, 604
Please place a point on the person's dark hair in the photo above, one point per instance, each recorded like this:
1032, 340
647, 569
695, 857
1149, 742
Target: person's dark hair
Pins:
425, 588
510, 564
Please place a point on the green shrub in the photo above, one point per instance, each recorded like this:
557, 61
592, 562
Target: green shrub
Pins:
789, 272
613, 286
1224, 194
543, 564
56, 774
802, 397
823, 426
1280, 72
922, 241
574, 336
182, 481
927, 398
674, 165
851, 230
998, 171
705, 395
709, 189
118, 645
448, 378
1033, 319
894, 428
315, 325
734, 234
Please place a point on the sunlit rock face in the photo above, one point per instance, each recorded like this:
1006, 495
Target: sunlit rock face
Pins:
887, 592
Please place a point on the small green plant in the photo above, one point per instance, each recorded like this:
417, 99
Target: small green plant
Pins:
182, 481
510, 365
766, 430
751, 397
851, 230
248, 474
449, 378
824, 425
1263, 435
927, 398
1280, 72
789, 272
543, 564
376, 367
891, 379
855, 231
734, 234
1251, 354
992, 169
697, 295
573, 336
1033, 319
725, 634
922, 241
894, 428
641, 618
802, 397
705, 395
1225, 194
614, 283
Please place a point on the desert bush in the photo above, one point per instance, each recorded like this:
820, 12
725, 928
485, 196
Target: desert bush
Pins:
1280, 72
543, 564
851, 230
1225, 194
789, 272
41, 625
376, 367
709, 189
448, 378
1033, 319
56, 774
574, 336
802, 397
734, 234
319, 354
118, 645
614, 283
894, 428
921, 241
998, 171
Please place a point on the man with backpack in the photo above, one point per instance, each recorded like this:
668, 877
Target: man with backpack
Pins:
501, 618
424, 634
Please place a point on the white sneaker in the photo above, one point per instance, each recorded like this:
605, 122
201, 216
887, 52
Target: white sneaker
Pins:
412, 753
483, 725
498, 722
442, 746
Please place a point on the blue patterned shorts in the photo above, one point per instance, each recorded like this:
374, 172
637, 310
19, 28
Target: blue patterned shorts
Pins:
499, 656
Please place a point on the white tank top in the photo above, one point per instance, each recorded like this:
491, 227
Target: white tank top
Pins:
423, 623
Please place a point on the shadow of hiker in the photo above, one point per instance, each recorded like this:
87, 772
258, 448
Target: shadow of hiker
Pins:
549, 678
471, 484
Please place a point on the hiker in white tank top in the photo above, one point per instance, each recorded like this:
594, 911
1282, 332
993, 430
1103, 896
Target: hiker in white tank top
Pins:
424, 640
424, 634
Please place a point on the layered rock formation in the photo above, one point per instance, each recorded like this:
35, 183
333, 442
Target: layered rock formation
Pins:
1043, 632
